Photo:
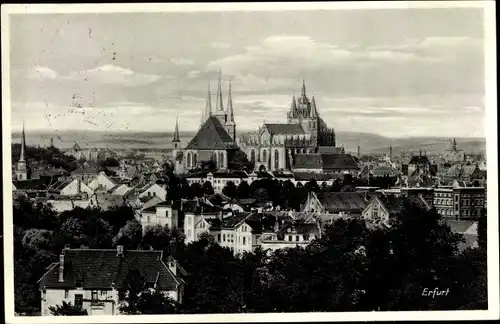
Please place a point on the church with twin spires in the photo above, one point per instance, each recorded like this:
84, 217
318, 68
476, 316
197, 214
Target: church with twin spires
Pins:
272, 147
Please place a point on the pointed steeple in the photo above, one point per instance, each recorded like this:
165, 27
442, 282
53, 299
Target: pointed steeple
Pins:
176, 132
218, 106
293, 107
303, 91
23, 145
208, 105
230, 114
314, 111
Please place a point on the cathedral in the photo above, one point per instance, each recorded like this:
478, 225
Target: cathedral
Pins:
215, 140
272, 147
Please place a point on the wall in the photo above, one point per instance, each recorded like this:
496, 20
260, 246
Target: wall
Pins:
57, 296
63, 205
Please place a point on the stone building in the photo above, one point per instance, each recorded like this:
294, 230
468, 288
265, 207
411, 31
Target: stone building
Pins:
274, 146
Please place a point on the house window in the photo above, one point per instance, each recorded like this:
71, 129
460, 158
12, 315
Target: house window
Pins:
104, 293
78, 300
44, 294
218, 237
375, 212
297, 238
244, 240
94, 295
148, 219
223, 237
154, 193
289, 238
66, 293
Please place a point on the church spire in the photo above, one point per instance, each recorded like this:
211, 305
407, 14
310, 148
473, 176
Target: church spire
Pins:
176, 132
314, 111
230, 114
293, 107
219, 107
303, 91
23, 146
208, 105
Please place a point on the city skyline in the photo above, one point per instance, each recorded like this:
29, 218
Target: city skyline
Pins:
424, 78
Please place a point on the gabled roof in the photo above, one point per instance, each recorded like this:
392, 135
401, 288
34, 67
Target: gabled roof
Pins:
345, 201
151, 203
211, 136
284, 129
325, 161
99, 269
382, 171
35, 184
198, 207
331, 150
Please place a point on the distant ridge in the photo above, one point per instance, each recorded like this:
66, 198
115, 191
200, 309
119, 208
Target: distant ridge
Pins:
369, 143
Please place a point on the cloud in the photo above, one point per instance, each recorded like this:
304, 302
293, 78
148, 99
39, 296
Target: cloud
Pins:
181, 61
193, 74
112, 74
41, 73
220, 45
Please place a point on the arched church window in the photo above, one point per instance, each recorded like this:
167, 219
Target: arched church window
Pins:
264, 155
195, 158
276, 159
252, 156
189, 160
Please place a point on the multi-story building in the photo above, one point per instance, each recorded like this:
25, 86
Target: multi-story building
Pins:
164, 214
91, 279
468, 202
453, 154
274, 146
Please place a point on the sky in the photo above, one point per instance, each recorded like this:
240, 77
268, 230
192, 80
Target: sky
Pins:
392, 72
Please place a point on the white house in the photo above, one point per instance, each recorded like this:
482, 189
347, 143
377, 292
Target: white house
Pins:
101, 182
90, 279
70, 187
163, 214
291, 235
154, 190
194, 211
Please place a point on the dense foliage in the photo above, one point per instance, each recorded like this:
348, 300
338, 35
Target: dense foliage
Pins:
350, 268
50, 156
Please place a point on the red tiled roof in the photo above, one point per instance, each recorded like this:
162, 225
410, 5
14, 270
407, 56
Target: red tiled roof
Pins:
211, 136
99, 269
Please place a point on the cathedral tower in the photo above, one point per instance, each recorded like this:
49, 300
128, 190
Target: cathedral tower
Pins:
219, 108
176, 141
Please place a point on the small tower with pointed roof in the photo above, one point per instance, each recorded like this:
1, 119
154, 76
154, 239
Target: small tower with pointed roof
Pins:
176, 141
22, 170
230, 124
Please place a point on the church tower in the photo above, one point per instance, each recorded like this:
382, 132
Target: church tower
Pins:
230, 124
219, 108
22, 166
176, 141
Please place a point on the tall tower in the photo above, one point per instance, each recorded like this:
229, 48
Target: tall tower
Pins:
230, 124
207, 112
22, 166
176, 141
219, 109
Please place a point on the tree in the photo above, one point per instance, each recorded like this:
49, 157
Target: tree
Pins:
230, 190
239, 162
118, 216
482, 232
66, 309
209, 165
207, 188
110, 162
157, 237
312, 185
262, 195
196, 190
129, 235
36, 239
28, 214
243, 190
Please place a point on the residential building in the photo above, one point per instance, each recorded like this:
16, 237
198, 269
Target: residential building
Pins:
342, 203
325, 163
154, 190
194, 210
163, 214
92, 279
383, 208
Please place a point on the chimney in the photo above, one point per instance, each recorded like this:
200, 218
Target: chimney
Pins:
61, 267
119, 250
172, 266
